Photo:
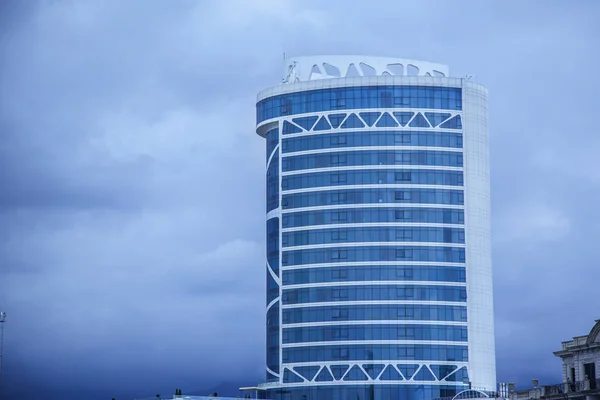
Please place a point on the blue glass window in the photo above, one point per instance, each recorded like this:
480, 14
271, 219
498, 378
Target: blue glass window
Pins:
372, 177
370, 215
322, 125
424, 374
370, 117
324, 376
336, 119
380, 157
273, 183
308, 372
373, 292
419, 121
339, 370
352, 122
368, 391
273, 244
373, 234
375, 332
290, 377
461, 375
273, 338
408, 370
403, 117
386, 120
379, 312
305, 122
370, 196
355, 374
453, 123
272, 141
436, 118
391, 374
288, 128
352, 273
373, 370
272, 288
442, 371
346, 98
272, 378
374, 253
374, 138
375, 352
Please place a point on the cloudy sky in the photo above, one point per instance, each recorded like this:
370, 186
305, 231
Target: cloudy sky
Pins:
132, 183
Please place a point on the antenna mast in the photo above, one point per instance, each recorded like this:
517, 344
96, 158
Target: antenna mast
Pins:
2, 321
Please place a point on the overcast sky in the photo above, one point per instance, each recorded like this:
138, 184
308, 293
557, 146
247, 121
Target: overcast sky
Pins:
132, 226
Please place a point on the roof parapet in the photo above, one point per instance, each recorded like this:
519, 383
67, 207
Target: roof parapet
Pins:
309, 68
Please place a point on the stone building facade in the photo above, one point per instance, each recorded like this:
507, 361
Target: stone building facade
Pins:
581, 372
581, 357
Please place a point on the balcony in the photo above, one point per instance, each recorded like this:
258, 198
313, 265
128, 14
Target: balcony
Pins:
584, 389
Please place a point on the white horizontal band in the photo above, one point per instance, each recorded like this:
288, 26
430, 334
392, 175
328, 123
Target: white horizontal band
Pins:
369, 382
344, 245
373, 205
372, 225
373, 186
374, 263
382, 110
396, 362
375, 303
372, 322
366, 127
372, 167
370, 148
374, 283
374, 342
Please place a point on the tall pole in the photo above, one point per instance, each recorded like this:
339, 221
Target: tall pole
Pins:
2, 321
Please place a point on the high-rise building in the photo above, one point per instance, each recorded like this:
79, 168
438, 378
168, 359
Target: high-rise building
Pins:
379, 276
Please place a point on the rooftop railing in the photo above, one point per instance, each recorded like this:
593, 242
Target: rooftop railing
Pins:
559, 389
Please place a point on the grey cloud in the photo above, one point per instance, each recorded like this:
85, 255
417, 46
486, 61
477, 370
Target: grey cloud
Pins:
132, 202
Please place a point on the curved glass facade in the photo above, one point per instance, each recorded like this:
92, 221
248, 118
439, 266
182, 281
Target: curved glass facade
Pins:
367, 292
361, 97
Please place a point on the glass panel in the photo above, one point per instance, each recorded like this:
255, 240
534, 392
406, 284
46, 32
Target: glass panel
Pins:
419, 121
359, 97
386, 121
370, 117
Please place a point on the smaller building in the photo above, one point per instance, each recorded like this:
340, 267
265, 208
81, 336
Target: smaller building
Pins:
581, 372
581, 357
